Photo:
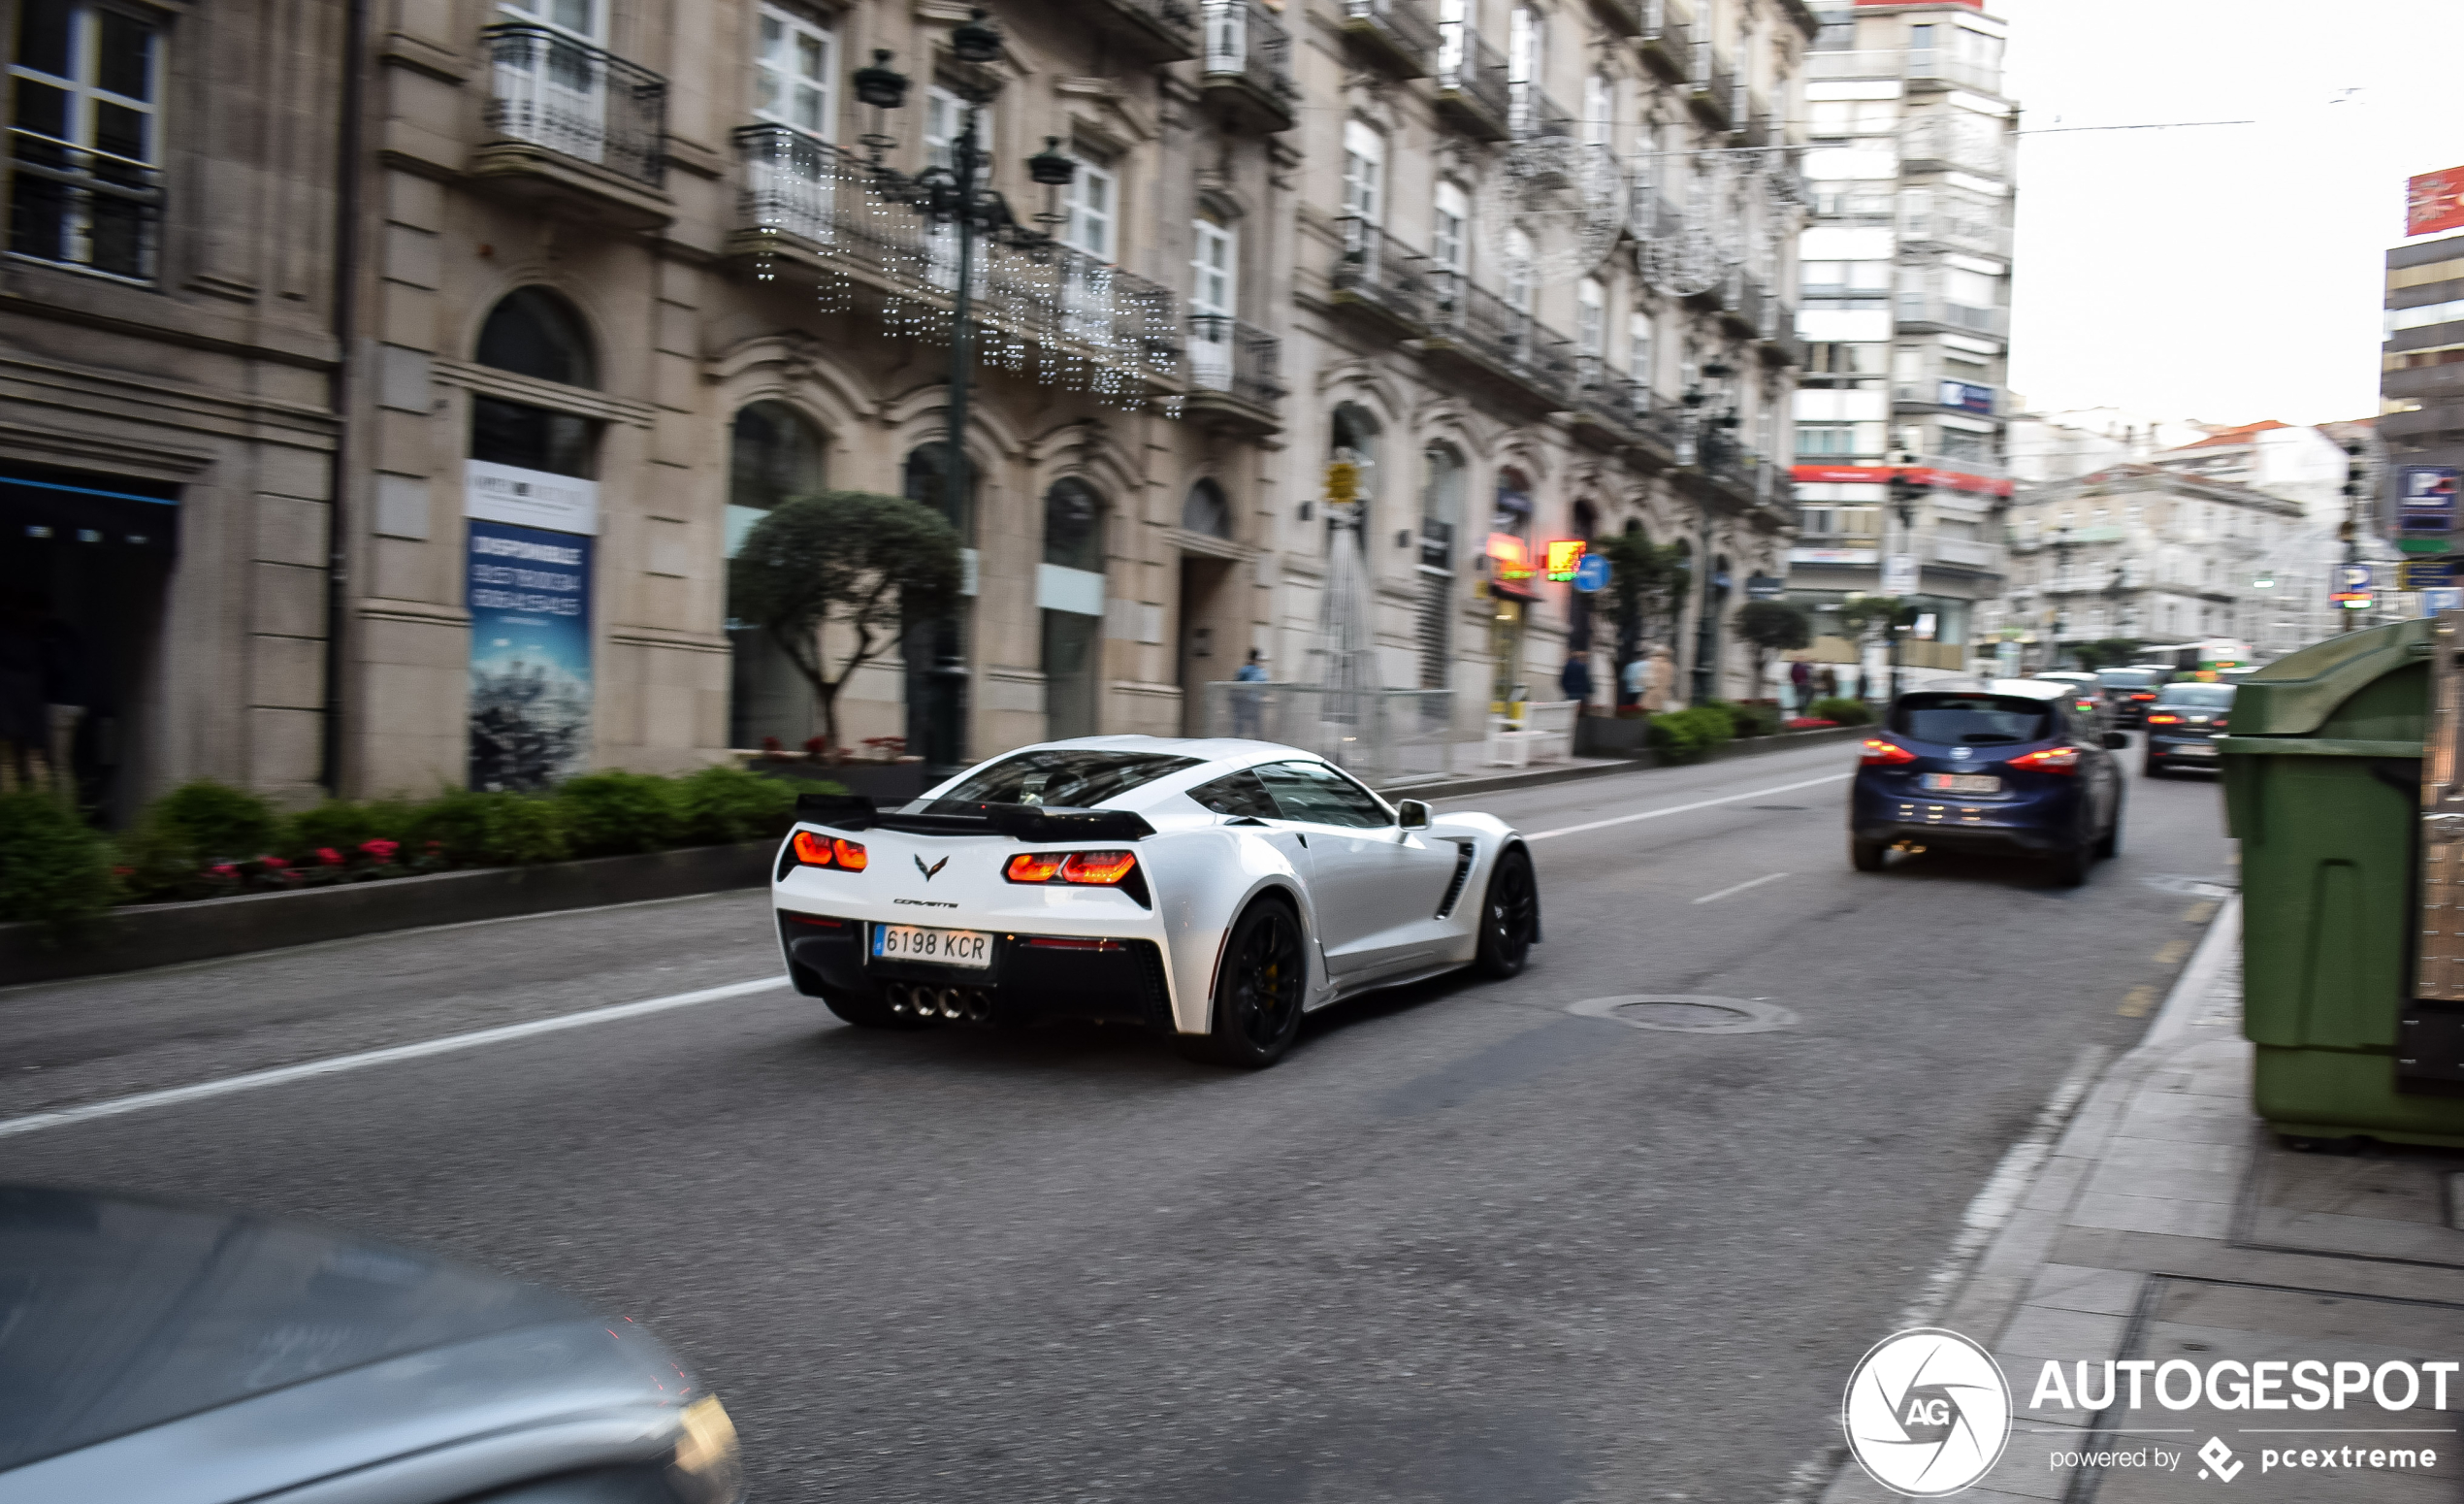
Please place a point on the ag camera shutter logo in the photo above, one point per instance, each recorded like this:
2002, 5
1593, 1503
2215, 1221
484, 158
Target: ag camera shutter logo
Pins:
1927, 1413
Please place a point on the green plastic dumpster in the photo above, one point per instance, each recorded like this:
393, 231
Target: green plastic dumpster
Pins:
2323, 787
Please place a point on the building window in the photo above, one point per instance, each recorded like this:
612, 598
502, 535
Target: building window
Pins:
1449, 246
1094, 203
792, 73
1205, 510
1070, 589
1825, 438
1638, 354
1591, 319
1364, 172
1519, 271
84, 185
582, 18
1598, 112
773, 453
532, 331
1215, 268
945, 122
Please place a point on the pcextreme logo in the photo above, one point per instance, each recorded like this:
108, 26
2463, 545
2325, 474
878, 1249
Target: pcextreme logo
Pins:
1927, 1413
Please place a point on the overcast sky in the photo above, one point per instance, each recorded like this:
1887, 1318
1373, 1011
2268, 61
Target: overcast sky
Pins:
2232, 272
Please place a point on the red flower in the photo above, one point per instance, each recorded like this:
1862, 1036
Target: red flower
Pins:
273, 864
380, 850
223, 870
327, 855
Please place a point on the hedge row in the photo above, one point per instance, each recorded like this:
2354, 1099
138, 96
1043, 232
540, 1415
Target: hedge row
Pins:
208, 839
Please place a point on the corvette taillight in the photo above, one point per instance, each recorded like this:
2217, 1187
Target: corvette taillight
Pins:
2051, 760
1878, 753
1090, 869
2154, 719
814, 849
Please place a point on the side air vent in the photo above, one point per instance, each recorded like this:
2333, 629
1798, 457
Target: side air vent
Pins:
1462, 873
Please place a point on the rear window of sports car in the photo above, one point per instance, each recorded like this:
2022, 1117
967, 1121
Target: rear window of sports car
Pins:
1064, 779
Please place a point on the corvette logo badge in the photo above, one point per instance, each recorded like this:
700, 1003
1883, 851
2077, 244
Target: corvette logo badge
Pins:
930, 870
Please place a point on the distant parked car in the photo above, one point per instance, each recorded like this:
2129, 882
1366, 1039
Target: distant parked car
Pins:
153, 1350
2183, 726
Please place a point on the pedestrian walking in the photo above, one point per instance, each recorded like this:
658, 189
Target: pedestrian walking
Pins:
1248, 704
1631, 680
1826, 683
1574, 681
1661, 695
1800, 684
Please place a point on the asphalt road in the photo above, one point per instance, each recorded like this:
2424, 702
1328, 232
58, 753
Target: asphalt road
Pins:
1461, 1244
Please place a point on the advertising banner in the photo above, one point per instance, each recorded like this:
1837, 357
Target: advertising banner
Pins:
529, 599
1900, 574
2434, 201
2425, 499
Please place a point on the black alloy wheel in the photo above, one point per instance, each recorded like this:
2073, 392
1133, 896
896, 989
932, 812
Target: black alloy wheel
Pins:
1509, 916
1257, 992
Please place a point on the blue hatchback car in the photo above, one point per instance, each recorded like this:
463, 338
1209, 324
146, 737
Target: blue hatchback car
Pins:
2005, 765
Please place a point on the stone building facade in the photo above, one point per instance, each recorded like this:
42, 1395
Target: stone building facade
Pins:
480, 341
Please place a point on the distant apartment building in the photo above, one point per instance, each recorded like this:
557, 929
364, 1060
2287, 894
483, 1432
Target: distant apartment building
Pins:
2145, 552
2421, 364
1904, 315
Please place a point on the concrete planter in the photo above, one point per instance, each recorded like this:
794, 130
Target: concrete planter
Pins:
158, 934
1608, 736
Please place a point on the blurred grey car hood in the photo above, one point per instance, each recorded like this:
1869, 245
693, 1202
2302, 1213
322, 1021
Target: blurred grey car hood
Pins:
153, 1353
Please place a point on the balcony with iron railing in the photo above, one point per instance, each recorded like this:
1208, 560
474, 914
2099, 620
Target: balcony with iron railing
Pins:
1531, 115
1470, 327
1780, 346
1472, 90
1234, 374
575, 125
1955, 142
804, 203
1940, 65
1712, 86
74, 206
1614, 409
1968, 224
1745, 308
1756, 125
1667, 39
1379, 278
1147, 31
1246, 72
1397, 33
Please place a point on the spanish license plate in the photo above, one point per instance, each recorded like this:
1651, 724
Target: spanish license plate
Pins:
934, 947
2194, 749
1963, 783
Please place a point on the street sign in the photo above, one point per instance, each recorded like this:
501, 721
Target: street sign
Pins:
1562, 555
2425, 499
2352, 586
2444, 599
1764, 587
1592, 573
1900, 574
2424, 573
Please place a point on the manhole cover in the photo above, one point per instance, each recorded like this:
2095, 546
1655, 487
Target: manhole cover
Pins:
1688, 1015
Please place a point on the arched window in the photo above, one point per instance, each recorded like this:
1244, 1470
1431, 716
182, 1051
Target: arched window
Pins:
1072, 526
1070, 589
1442, 493
532, 331
1205, 510
773, 453
1513, 512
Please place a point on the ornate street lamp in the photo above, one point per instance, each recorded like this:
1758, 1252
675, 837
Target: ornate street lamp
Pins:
956, 195
1705, 449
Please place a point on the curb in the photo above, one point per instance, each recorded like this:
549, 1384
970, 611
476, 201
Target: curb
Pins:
1997, 1280
1491, 783
142, 936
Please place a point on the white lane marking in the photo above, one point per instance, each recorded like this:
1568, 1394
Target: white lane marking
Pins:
2004, 1189
1755, 882
1678, 809
114, 1107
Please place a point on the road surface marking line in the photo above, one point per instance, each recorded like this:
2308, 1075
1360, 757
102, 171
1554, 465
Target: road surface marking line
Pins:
2199, 913
2136, 1002
1742, 887
2006, 1189
2171, 952
1678, 809
173, 1097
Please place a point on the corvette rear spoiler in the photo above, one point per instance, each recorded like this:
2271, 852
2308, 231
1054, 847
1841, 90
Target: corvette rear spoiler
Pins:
1019, 822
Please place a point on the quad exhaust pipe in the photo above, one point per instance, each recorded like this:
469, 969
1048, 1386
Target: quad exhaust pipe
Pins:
953, 1005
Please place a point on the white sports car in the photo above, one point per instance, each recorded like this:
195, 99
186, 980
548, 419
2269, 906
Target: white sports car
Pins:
1213, 890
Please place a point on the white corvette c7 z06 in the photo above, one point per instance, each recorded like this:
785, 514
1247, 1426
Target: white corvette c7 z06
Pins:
1213, 891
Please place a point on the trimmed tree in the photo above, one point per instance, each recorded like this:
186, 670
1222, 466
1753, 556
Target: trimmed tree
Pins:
1647, 587
864, 564
1771, 626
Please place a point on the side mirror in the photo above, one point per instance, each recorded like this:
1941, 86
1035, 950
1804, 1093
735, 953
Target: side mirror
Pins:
2115, 742
1414, 815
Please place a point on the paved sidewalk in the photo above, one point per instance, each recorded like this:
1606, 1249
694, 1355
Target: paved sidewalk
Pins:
2166, 1224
